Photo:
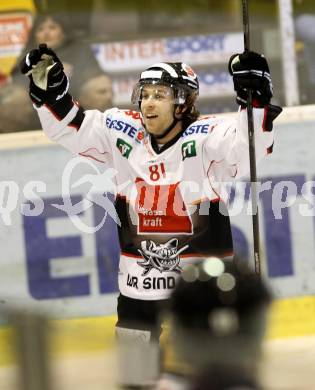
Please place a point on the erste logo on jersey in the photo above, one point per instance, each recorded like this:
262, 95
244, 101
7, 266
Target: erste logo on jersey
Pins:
122, 126
119, 124
197, 129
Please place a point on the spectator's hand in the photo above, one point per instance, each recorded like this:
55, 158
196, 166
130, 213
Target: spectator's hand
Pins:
250, 70
48, 82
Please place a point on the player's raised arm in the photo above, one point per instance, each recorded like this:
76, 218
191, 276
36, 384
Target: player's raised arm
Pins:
250, 71
49, 84
62, 118
229, 140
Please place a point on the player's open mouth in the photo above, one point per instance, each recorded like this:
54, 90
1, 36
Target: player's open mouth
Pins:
151, 116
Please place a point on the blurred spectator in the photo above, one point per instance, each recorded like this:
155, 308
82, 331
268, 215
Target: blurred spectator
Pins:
77, 57
88, 82
305, 31
218, 314
97, 93
16, 112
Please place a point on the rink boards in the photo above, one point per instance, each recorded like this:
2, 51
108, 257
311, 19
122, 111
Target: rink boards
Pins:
50, 265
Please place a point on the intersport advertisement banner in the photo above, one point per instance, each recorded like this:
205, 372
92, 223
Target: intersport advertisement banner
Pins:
209, 53
194, 49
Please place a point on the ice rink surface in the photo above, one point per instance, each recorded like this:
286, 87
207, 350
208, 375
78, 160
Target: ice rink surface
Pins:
288, 364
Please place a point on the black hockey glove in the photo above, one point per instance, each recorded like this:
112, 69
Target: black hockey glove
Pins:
250, 70
48, 82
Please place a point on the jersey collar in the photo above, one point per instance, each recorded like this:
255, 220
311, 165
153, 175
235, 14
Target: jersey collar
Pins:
158, 150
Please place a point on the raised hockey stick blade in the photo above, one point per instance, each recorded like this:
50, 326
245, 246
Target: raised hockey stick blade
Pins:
252, 150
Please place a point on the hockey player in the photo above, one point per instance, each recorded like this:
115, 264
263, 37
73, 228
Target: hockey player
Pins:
172, 214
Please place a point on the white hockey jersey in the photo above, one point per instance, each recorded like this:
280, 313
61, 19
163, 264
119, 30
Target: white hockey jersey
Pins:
172, 212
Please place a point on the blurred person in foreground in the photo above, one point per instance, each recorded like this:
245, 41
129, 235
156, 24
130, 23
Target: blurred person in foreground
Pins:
218, 314
172, 170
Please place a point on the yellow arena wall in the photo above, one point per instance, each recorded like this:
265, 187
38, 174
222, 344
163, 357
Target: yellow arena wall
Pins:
16, 21
294, 317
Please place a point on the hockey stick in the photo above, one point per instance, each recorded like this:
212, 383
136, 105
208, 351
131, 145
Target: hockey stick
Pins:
252, 150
